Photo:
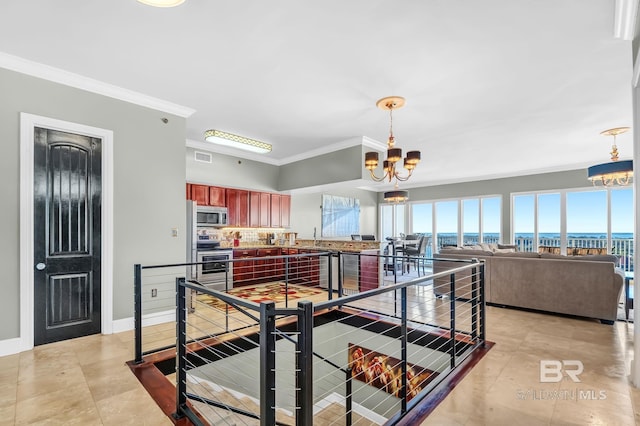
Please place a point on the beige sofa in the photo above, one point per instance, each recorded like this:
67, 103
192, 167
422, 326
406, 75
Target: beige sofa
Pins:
587, 286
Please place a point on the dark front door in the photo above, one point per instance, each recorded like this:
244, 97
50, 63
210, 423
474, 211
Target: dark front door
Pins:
67, 200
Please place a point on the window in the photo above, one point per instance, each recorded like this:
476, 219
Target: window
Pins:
587, 219
340, 216
471, 221
576, 222
447, 223
524, 221
392, 220
452, 222
549, 220
491, 219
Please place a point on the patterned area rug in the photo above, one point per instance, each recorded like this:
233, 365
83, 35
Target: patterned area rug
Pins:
276, 292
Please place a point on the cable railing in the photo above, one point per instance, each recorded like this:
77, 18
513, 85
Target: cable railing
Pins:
368, 357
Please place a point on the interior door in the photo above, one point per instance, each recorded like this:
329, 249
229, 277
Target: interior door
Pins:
67, 201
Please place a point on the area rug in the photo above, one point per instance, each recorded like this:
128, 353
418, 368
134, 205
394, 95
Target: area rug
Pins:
276, 292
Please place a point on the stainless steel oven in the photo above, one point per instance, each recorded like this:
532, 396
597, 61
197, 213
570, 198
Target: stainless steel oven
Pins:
214, 269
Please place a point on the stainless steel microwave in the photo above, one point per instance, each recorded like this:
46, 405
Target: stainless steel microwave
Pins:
212, 216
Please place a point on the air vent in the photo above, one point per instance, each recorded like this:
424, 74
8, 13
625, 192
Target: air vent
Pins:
203, 157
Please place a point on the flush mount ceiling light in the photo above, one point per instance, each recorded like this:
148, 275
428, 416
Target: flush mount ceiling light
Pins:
162, 3
235, 141
616, 172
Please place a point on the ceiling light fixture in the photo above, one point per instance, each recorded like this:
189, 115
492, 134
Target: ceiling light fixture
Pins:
616, 172
393, 155
396, 196
162, 3
235, 141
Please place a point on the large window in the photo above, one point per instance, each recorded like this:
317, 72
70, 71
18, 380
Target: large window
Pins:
524, 221
491, 222
454, 222
392, 217
549, 219
572, 221
447, 223
471, 221
587, 219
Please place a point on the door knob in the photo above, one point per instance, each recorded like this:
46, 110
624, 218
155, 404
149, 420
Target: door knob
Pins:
40, 266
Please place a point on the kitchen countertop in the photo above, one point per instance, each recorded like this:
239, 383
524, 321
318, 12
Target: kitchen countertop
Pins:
331, 245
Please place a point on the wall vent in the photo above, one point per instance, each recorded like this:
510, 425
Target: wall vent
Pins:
203, 157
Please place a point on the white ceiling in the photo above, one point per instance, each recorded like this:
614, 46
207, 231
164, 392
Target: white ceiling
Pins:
493, 88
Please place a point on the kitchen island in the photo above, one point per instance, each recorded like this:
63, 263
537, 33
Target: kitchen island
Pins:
361, 268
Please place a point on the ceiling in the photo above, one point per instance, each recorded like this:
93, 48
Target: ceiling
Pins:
493, 88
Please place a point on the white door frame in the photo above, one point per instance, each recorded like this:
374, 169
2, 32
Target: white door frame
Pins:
27, 124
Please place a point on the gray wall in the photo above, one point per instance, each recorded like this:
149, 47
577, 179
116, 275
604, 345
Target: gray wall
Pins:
233, 172
149, 176
335, 167
504, 187
306, 213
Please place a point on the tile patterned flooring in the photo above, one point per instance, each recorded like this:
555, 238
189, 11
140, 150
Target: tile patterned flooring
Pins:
85, 381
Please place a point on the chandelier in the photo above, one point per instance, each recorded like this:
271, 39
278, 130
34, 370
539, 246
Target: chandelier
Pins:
394, 155
616, 172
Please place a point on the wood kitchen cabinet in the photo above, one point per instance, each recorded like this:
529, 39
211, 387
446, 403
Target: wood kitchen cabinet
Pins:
243, 270
369, 270
285, 211
309, 268
280, 211
200, 194
259, 209
217, 196
268, 267
275, 210
238, 206
253, 209
290, 265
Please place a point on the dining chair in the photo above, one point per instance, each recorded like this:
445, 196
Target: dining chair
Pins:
416, 255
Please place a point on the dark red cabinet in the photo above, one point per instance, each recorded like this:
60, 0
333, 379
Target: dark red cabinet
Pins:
243, 268
217, 196
253, 209
238, 206
200, 194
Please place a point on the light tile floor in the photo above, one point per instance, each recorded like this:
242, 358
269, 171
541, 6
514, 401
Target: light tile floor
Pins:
85, 381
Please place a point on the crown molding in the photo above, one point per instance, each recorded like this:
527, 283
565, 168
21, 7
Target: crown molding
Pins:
624, 21
360, 140
57, 75
264, 158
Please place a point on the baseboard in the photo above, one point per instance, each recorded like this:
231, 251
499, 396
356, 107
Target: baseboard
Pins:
10, 346
155, 318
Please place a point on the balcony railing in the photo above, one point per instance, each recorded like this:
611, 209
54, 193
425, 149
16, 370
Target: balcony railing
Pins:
621, 247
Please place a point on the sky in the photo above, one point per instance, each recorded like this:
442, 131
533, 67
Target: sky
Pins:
586, 212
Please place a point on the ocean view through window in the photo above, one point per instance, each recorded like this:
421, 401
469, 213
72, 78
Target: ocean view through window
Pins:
599, 219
